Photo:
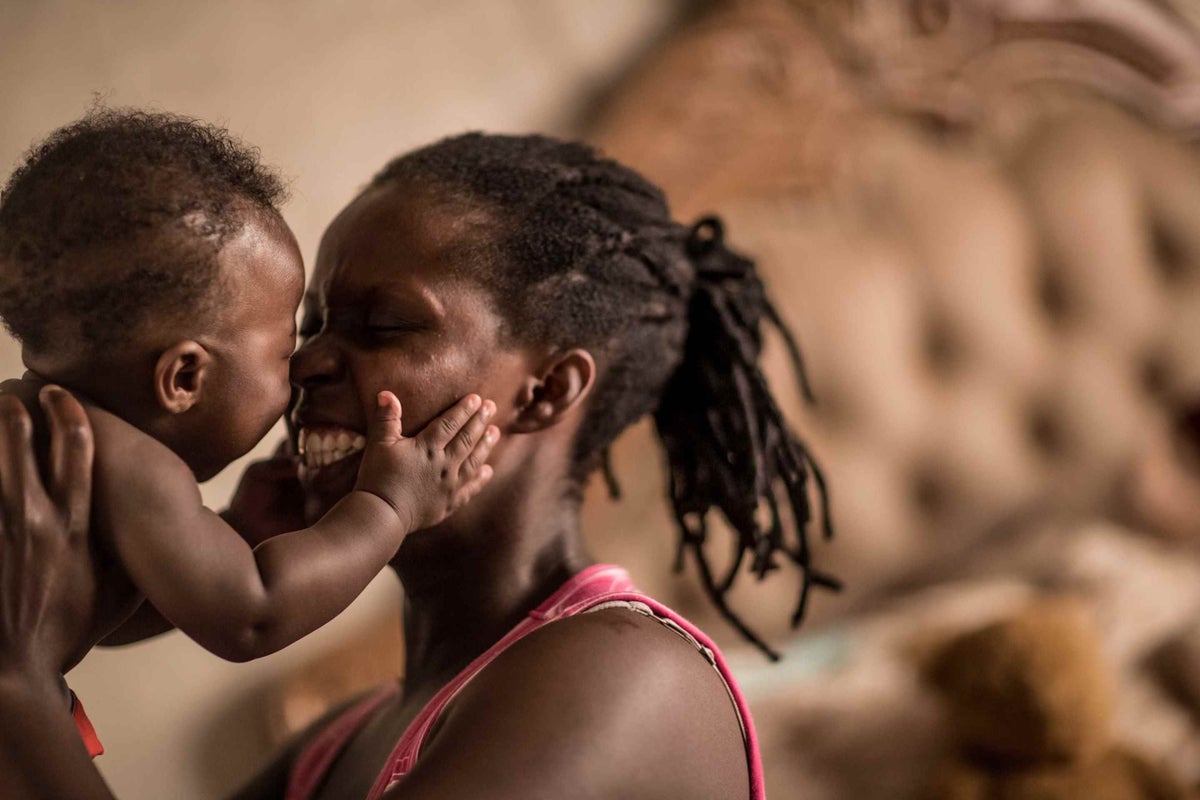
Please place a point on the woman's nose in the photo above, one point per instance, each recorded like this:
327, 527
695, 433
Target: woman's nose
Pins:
316, 362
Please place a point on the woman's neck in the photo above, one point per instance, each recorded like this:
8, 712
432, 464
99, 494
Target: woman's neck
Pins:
469, 581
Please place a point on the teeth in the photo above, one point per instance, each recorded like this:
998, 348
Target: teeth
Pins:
320, 449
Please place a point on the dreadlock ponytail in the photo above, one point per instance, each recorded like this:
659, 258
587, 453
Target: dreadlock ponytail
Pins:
728, 445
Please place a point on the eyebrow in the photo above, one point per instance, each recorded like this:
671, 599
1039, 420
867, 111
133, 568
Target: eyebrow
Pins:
418, 304
424, 303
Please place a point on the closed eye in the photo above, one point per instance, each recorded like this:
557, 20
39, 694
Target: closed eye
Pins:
392, 328
390, 324
388, 334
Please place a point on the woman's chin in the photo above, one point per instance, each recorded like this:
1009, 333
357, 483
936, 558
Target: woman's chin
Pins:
329, 483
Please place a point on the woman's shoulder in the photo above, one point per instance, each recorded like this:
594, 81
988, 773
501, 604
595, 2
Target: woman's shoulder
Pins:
609, 693
615, 653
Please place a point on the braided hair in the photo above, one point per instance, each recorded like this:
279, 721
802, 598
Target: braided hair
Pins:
585, 254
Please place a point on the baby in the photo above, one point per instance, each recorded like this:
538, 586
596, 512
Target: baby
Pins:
145, 266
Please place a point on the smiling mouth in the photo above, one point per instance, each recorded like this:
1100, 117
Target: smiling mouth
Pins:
323, 445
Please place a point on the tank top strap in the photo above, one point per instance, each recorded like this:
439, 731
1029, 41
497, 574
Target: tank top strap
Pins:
583, 588
315, 758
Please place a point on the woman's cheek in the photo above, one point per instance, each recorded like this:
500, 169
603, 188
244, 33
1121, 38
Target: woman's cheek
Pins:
425, 390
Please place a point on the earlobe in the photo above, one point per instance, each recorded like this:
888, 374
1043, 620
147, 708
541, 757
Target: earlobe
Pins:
564, 384
179, 376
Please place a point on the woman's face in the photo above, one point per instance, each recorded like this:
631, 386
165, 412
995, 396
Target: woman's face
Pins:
390, 306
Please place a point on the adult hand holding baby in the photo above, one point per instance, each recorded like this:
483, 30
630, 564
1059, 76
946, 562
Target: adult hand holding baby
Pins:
44, 554
44, 559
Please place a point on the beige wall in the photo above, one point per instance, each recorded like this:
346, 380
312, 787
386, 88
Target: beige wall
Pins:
329, 91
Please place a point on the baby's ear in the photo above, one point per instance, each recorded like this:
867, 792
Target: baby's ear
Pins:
180, 374
564, 383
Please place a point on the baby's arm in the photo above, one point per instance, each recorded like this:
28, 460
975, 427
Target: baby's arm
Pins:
242, 603
268, 501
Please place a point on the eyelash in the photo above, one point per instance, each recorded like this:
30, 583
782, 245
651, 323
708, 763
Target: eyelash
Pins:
390, 329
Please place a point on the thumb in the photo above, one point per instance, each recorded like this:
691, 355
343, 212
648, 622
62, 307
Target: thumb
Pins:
385, 427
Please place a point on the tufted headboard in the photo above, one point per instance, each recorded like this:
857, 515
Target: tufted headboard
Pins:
983, 219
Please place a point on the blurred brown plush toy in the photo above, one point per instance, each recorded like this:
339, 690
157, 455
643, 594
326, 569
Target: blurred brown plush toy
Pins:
1030, 704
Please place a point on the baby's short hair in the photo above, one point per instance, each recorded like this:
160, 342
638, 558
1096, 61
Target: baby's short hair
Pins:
118, 219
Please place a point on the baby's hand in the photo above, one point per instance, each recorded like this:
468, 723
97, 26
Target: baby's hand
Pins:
428, 476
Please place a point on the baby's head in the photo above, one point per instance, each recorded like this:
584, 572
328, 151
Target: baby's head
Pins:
144, 263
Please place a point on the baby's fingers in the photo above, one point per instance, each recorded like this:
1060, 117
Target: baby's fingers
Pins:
471, 488
439, 432
476, 460
470, 434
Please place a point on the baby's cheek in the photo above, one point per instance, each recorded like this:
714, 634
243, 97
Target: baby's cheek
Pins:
283, 391
268, 397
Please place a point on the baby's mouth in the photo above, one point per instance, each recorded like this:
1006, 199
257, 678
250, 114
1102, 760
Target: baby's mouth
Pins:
323, 445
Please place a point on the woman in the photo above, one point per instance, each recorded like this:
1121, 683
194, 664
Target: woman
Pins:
541, 274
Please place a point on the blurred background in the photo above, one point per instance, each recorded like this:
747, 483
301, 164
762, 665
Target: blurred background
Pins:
983, 219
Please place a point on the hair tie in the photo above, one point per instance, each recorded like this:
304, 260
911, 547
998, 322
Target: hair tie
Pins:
705, 246
705, 235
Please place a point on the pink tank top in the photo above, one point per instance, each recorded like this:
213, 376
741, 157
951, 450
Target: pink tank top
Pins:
597, 587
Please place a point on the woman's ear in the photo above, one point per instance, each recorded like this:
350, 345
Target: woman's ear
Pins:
564, 383
179, 376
